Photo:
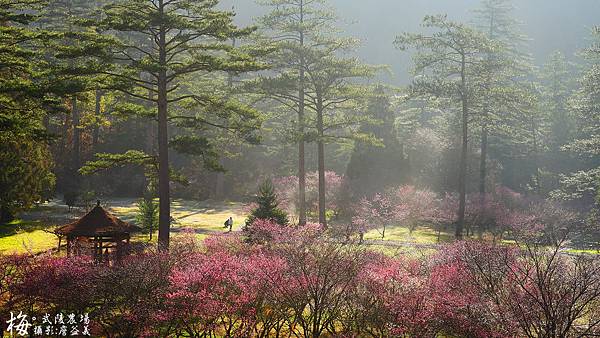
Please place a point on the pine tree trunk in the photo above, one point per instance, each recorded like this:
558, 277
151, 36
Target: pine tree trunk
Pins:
301, 160
5, 215
64, 140
322, 210
484, 125
538, 183
97, 115
301, 144
74, 177
76, 136
462, 175
321, 159
164, 219
150, 192
483, 159
482, 170
220, 183
301, 183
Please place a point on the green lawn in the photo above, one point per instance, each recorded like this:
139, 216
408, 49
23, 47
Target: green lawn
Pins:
208, 216
25, 236
205, 218
421, 235
28, 235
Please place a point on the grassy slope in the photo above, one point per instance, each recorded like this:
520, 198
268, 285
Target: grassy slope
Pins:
204, 218
421, 235
22, 236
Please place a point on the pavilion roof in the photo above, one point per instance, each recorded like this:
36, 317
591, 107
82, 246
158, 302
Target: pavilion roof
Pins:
97, 222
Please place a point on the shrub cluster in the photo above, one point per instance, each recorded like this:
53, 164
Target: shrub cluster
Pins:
503, 212
294, 281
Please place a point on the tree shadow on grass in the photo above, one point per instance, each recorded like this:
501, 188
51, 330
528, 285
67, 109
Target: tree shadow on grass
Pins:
20, 226
204, 211
195, 230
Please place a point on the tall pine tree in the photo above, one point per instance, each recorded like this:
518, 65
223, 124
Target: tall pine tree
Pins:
316, 79
585, 183
450, 61
183, 40
391, 167
504, 68
267, 206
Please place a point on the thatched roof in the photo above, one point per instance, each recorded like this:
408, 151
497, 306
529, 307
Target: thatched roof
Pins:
97, 222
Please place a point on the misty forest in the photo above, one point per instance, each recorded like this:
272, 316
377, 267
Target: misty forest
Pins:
300, 168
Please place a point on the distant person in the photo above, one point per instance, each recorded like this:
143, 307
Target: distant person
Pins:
229, 224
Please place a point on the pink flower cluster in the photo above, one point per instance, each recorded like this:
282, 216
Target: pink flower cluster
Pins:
403, 206
296, 281
499, 213
287, 192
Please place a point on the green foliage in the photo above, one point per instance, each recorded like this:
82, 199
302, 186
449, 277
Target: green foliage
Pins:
557, 82
70, 197
392, 168
106, 161
448, 63
495, 18
88, 198
147, 215
165, 52
25, 98
586, 105
198, 146
439, 58
195, 44
502, 113
25, 93
267, 206
313, 74
46, 58
314, 83
25, 175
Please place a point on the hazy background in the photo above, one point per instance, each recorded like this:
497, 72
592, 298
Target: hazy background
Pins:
550, 24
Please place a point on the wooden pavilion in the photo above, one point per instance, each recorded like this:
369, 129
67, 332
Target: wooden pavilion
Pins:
98, 233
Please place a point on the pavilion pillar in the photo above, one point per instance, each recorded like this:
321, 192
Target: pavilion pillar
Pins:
119, 249
95, 248
100, 249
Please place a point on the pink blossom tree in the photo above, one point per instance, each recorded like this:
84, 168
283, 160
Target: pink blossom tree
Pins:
493, 213
527, 291
391, 298
287, 191
415, 207
296, 281
222, 294
13, 269
377, 212
51, 284
404, 206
